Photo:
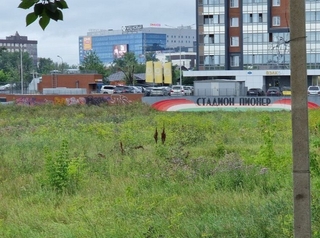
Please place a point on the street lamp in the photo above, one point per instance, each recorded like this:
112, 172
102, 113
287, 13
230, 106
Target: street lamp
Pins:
61, 62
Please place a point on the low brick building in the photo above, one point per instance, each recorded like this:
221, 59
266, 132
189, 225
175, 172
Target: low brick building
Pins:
89, 82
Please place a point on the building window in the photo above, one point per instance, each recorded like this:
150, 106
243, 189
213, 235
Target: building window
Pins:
234, 22
235, 61
234, 3
234, 41
216, 19
208, 19
209, 39
209, 60
217, 39
312, 16
276, 21
275, 2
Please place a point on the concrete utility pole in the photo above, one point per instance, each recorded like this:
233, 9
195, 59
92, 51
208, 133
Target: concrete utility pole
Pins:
21, 68
300, 129
180, 71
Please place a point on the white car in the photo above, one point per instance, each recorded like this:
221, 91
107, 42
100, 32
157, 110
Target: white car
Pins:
187, 90
314, 90
107, 89
158, 91
5, 87
177, 90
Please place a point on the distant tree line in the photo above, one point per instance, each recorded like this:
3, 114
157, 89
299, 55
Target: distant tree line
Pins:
10, 66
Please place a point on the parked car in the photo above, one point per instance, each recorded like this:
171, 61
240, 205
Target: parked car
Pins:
255, 92
274, 91
119, 89
147, 91
187, 90
140, 88
314, 90
191, 88
137, 89
167, 89
158, 91
107, 89
6, 87
286, 91
131, 89
128, 89
177, 90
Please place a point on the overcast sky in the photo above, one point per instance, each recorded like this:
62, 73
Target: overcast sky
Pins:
61, 38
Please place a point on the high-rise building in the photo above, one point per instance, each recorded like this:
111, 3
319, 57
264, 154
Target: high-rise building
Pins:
111, 44
247, 36
15, 43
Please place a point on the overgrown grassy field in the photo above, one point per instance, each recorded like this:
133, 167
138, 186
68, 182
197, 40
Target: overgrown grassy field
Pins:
89, 171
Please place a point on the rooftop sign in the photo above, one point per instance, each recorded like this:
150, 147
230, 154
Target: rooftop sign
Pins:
132, 28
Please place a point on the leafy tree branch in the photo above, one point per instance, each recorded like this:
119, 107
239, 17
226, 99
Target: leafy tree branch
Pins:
44, 10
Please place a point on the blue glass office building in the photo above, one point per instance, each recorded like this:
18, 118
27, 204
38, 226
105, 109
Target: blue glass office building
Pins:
136, 39
104, 45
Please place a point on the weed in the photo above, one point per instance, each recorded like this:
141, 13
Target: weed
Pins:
267, 153
63, 173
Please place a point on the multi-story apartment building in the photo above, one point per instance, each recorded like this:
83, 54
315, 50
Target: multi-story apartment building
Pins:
250, 40
110, 44
243, 34
15, 43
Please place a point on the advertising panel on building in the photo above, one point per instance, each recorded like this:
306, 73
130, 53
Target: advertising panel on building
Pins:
87, 43
119, 50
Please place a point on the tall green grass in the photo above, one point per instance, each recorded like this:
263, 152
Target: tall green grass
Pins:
88, 171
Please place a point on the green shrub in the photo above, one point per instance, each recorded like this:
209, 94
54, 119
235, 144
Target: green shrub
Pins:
63, 173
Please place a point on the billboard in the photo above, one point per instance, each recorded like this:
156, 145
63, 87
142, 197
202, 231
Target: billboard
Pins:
149, 72
119, 50
87, 43
167, 72
158, 73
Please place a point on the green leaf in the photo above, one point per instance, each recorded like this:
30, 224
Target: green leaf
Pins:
44, 21
51, 7
31, 17
57, 15
60, 17
25, 4
62, 4
38, 9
